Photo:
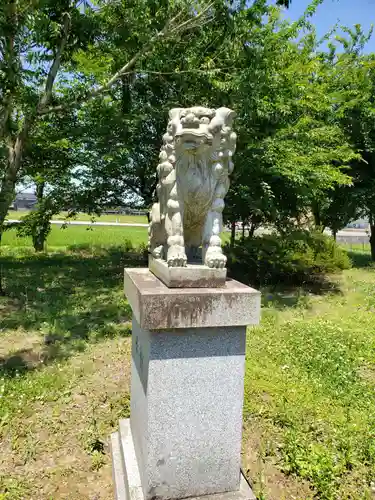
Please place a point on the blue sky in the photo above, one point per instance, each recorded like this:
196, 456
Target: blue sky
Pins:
346, 12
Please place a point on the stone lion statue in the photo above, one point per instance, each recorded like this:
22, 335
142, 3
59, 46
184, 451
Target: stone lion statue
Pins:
195, 164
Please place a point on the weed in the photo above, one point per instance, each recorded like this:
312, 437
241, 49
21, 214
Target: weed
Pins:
97, 460
64, 380
13, 488
315, 363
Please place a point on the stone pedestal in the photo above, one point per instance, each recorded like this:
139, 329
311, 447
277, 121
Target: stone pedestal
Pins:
191, 276
183, 438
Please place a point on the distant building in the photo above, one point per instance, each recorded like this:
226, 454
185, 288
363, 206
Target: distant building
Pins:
125, 211
24, 201
359, 224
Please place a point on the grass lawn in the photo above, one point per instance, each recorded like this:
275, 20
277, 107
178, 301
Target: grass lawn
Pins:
141, 219
309, 414
72, 236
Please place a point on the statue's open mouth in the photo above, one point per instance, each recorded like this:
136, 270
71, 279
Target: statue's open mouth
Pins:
193, 139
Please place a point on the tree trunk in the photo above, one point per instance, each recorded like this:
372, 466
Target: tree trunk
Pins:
317, 217
40, 191
232, 234
39, 233
372, 240
40, 228
243, 230
2, 289
13, 165
7, 194
334, 234
252, 229
39, 240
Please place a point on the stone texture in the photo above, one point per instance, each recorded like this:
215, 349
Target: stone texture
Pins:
188, 361
186, 409
118, 468
191, 276
193, 173
125, 469
155, 306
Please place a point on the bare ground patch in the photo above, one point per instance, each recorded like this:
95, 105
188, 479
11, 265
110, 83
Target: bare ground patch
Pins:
61, 449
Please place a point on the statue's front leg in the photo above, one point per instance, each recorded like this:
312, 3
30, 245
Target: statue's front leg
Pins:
176, 255
156, 233
212, 253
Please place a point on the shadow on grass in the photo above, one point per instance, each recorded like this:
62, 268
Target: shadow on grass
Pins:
360, 259
68, 298
21, 361
282, 296
293, 290
72, 298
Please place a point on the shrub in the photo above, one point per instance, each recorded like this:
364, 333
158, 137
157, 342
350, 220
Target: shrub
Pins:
295, 258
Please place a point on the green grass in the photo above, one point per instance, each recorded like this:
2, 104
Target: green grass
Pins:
356, 247
81, 235
140, 219
70, 236
309, 413
64, 370
310, 388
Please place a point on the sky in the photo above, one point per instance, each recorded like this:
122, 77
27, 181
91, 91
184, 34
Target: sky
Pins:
345, 12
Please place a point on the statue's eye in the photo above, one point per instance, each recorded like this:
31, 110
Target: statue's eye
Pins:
205, 120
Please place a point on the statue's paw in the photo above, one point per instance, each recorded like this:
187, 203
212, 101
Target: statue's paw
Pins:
158, 252
215, 259
176, 257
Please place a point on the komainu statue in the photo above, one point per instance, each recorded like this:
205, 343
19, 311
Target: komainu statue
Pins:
195, 164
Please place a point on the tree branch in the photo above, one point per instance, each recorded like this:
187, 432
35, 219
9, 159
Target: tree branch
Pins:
198, 70
55, 65
132, 188
2, 49
11, 60
5, 113
20, 143
191, 23
172, 27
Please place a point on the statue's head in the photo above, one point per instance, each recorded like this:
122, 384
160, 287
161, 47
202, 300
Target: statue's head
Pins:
190, 129
198, 128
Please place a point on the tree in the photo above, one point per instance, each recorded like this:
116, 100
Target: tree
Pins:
353, 84
118, 133
40, 42
291, 148
121, 132
49, 163
337, 209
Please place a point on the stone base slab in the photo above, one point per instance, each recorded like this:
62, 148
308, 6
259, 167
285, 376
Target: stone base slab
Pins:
126, 477
158, 307
191, 276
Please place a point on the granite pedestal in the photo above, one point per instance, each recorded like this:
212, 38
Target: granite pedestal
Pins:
192, 276
183, 438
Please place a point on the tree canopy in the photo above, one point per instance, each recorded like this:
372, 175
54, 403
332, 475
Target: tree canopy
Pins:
43, 45
85, 89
